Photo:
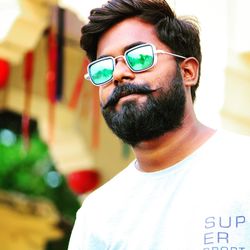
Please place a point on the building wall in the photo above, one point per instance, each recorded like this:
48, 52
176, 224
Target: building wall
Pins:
236, 107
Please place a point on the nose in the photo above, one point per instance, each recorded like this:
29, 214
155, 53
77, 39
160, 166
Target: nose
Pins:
122, 72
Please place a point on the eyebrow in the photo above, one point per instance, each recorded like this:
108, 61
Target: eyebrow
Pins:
132, 45
124, 49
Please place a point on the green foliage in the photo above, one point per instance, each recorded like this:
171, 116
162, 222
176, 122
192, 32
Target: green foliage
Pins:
31, 171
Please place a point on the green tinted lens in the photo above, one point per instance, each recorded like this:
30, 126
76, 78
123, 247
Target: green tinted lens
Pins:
101, 71
140, 58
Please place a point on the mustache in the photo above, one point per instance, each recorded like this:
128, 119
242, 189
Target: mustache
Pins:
125, 90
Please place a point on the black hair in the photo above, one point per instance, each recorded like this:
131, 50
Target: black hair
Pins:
181, 35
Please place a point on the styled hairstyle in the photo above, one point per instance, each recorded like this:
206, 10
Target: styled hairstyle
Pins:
181, 35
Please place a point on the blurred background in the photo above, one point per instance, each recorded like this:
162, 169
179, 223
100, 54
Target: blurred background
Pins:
54, 145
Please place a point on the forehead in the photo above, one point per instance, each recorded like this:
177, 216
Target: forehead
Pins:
124, 33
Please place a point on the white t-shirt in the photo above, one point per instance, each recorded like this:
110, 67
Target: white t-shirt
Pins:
201, 203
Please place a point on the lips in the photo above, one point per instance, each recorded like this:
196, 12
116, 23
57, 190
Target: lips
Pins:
128, 93
126, 90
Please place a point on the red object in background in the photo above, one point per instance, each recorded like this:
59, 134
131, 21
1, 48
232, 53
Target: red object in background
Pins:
28, 66
28, 71
4, 72
51, 79
52, 67
83, 181
79, 84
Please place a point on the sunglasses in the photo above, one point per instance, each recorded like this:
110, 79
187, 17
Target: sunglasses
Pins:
139, 58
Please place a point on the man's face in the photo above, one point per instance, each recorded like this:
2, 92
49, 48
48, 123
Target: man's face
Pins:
140, 106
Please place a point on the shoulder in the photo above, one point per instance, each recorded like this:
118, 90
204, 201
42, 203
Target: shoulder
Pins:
224, 158
227, 140
233, 135
111, 190
231, 152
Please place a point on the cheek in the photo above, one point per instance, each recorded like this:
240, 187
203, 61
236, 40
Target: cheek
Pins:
104, 94
164, 78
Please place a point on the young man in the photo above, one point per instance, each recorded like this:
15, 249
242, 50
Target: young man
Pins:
188, 188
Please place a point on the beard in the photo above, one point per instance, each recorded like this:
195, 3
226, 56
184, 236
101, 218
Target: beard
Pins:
161, 113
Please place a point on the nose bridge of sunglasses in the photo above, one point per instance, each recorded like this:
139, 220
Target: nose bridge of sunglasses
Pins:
118, 58
122, 59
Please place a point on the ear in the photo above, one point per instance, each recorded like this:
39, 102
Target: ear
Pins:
190, 71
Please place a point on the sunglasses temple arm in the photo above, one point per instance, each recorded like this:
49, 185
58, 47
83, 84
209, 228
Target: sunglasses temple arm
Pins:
169, 53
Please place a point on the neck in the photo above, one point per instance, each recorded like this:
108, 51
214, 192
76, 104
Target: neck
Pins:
172, 147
